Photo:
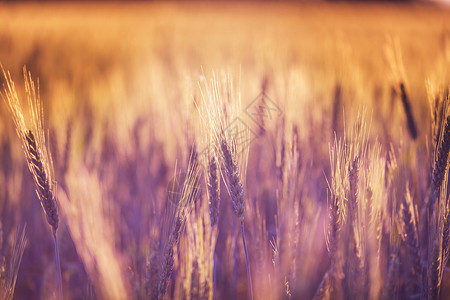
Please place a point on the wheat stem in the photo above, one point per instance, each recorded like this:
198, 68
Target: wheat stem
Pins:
58, 266
214, 202
249, 277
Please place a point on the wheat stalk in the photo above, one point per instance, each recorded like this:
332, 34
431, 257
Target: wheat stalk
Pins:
411, 240
441, 162
184, 206
214, 204
235, 185
7, 284
152, 274
332, 245
168, 261
446, 237
325, 287
391, 278
36, 151
236, 192
337, 111
42, 181
214, 191
35, 148
434, 270
412, 128
353, 283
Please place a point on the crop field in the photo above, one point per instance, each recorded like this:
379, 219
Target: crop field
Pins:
224, 150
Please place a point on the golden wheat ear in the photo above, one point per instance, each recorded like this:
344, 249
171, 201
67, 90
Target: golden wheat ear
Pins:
34, 144
32, 136
235, 184
44, 189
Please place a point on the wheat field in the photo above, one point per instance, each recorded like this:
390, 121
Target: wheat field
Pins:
224, 150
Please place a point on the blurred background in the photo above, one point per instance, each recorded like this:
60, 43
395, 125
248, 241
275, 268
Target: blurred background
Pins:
120, 84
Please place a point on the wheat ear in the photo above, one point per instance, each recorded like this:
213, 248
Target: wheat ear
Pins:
237, 198
214, 204
214, 191
434, 271
168, 261
412, 128
441, 162
446, 237
152, 272
411, 240
184, 205
43, 186
391, 279
38, 156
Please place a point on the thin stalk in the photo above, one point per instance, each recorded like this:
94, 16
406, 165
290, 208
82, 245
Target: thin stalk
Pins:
214, 277
247, 261
58, 266
234, 270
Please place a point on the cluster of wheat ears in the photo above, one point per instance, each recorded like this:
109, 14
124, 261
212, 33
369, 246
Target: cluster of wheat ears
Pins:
385, 238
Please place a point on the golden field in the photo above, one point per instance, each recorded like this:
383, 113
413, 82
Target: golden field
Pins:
339, 173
